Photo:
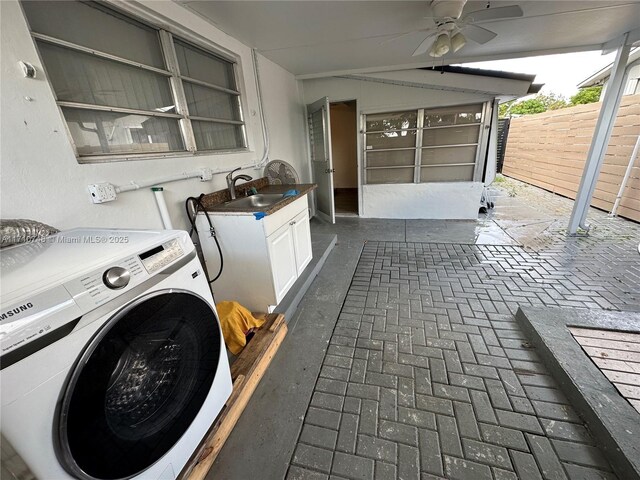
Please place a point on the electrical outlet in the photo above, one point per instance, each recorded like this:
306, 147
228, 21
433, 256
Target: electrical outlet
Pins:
102, 192
206, 174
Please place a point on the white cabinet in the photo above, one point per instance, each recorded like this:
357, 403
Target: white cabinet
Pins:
302, 240
283, 263
262, 257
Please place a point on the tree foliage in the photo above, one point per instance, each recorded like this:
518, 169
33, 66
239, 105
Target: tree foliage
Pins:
587, 95
552, 101
538, 104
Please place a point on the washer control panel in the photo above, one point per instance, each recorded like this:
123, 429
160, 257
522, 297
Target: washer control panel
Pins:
98, 287
161, 256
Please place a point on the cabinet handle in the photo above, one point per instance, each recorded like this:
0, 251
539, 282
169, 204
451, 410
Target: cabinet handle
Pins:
292, 223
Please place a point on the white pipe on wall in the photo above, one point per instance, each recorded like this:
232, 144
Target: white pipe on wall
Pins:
627, 174
158, 192
204, 174
265, 133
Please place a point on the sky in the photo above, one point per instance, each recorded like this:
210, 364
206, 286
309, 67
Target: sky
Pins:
560, 73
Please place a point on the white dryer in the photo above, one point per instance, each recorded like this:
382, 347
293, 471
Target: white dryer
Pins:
113, 364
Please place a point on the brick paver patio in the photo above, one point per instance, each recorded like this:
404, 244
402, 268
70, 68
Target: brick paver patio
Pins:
427, 374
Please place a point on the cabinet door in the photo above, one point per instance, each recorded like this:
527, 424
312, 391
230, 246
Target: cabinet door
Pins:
283, 263
302, 240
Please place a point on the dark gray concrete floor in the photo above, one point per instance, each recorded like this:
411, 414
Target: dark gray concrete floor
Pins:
263, 442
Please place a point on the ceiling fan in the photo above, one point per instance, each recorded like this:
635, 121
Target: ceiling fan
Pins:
451, 32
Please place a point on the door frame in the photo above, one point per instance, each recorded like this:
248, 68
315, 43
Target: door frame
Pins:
358, 122
359, 129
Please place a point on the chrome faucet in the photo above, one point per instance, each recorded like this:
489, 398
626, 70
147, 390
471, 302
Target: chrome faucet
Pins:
231, 182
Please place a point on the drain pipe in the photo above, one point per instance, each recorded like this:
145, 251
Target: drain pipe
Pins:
158, 192
627, 174
265, 133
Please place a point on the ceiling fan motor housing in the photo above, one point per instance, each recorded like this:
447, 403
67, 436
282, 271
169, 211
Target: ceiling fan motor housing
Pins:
451, 9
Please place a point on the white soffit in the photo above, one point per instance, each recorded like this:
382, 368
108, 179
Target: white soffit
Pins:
311, 38
455, 81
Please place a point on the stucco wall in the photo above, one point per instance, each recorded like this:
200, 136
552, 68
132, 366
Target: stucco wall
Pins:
41, 178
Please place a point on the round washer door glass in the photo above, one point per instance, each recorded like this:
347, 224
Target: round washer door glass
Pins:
138, 386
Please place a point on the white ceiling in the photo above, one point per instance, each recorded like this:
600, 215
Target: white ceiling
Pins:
310, 38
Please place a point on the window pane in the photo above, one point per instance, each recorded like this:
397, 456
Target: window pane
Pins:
390, 175
451, 136
96, 132
392, 121
402, 138
391, 158
196, 63
447, 174
461, 114
206, 102
436, 156
93, 26
217, 136
84, 78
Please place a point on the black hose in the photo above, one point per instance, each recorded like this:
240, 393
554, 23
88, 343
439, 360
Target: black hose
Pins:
197, 206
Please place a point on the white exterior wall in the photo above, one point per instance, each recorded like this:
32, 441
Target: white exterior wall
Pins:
42, 180
458, 200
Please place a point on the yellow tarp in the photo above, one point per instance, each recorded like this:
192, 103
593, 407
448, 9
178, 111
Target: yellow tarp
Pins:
236, 321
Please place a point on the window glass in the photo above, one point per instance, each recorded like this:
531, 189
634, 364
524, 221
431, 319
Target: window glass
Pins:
210, 103
436, 117
197, 64
462, 173
217, 136
391, 139
97, 132
451, 136
90, 25
84, 78
438, 156
390, 175
391, 158
392, 121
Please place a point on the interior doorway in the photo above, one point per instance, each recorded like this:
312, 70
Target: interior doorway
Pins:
344, 147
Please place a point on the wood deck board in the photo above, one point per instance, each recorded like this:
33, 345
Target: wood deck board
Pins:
606, 334
617, 354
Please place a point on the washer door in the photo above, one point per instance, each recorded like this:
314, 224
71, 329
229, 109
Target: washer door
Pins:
138, 386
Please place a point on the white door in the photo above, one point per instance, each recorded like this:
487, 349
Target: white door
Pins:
302, 240
283, 260
321, 161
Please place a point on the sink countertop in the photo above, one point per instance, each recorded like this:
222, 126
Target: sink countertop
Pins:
216, 202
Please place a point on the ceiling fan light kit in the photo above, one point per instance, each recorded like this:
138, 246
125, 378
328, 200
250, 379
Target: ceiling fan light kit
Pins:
457, 42
441, 46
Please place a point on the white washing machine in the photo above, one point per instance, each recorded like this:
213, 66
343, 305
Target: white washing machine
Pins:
113, 364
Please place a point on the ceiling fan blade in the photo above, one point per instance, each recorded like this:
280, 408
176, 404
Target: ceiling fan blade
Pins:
498, 13
478, 34
424, 45
399, 36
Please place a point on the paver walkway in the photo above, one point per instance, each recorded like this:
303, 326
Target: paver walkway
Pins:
427, 374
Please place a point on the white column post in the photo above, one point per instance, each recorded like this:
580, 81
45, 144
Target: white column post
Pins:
601, 136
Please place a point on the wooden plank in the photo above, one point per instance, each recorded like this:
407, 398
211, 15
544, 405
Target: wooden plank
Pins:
636, 404
246, 372
622, 377
608, 344
606, 334
629, 391
613, 354
618, 365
